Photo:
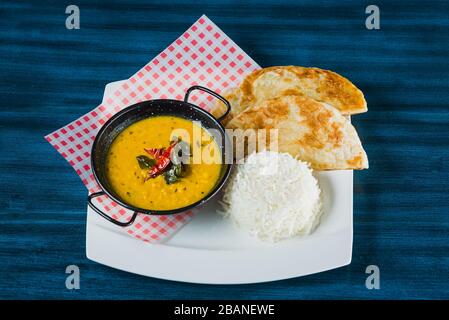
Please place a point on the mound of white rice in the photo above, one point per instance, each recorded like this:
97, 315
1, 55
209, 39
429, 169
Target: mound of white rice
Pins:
273, 196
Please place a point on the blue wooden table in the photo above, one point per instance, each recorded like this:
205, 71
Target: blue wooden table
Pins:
51, 75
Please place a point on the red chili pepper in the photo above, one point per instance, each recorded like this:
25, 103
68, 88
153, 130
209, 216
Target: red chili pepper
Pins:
163, 160
155, 152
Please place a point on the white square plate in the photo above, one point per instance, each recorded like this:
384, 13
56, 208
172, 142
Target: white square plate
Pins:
209, 249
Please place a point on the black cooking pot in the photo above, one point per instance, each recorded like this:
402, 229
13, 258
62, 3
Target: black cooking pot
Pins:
142, 110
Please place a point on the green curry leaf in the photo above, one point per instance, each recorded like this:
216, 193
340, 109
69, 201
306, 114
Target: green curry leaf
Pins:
173, 174
145, 162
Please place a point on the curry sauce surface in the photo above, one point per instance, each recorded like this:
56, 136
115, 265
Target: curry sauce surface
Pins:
128, 179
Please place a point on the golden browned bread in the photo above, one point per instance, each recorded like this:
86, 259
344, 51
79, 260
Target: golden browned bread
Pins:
321, 85
313, 131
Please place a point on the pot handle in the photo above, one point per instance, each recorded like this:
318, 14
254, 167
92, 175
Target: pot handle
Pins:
104, 215
212, 93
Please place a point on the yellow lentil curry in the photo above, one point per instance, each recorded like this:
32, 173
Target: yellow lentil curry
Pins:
133, 183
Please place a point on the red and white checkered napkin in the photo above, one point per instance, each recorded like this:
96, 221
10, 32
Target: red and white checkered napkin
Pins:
202, 55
